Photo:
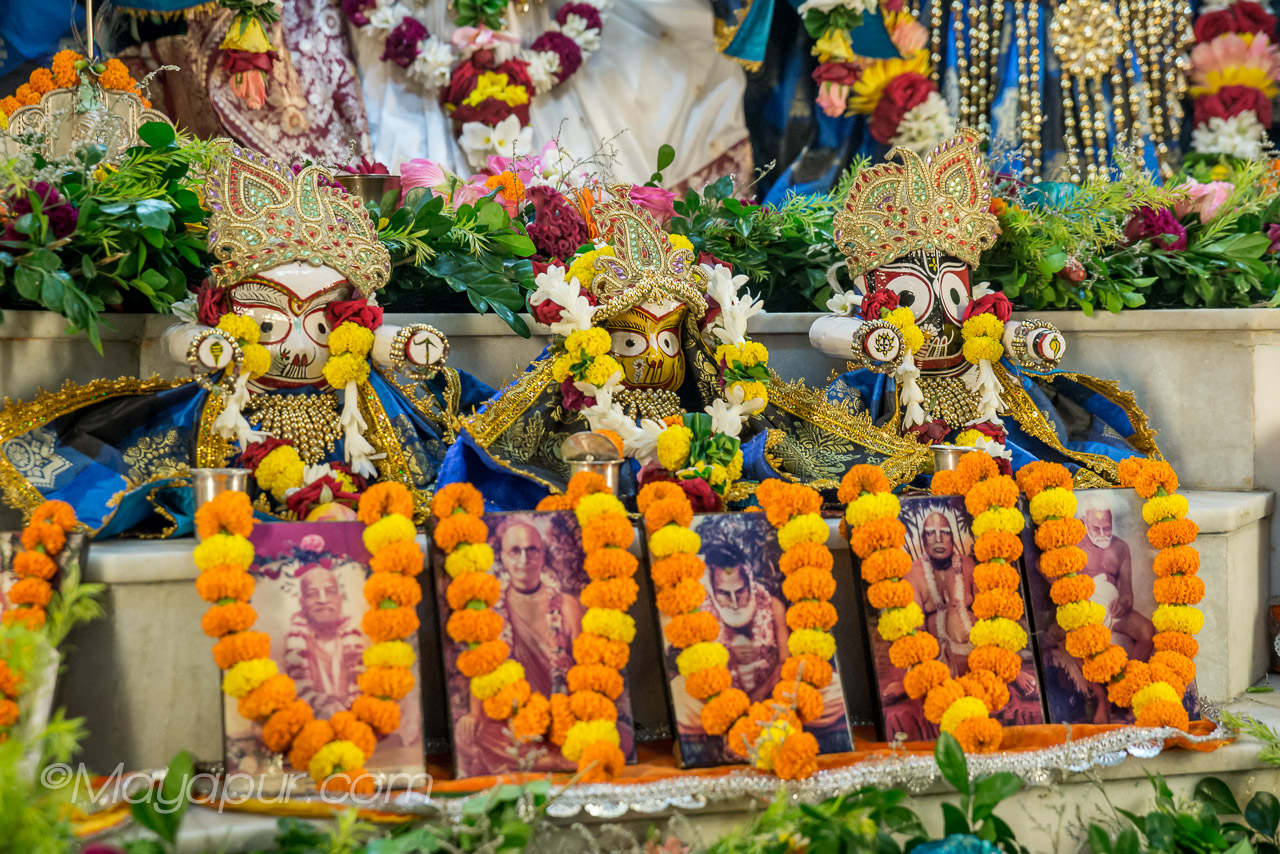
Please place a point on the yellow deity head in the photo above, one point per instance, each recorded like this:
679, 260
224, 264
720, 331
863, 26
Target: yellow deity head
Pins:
646, 342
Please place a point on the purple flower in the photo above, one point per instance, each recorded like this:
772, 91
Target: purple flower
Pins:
1273, 234
1158, 225
656, 201
557, 229
572, 398
62, 215
586, 11
562, 46
402, 42
354, 10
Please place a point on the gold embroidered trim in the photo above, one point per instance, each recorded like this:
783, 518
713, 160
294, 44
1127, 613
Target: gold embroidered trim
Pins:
160, 511
725, 31
212, 451
426, 405
487, 426
1029, 417
1144, 436
393, 466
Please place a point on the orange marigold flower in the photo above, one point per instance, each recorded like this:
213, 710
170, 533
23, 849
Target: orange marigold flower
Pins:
554, 502
996, 492
890, 594
230, 512
608, 529
1073, 588
508, 701
613, 563
685, 630
31, 591
885, 564
974, 467
797, 758
910, 650
1105, 665
32, 619
1176, 642
668, 511
811, 615
1056, 533
875, 535
585, 483
10, 682
723, 709
997, 544
482, 659
1136, 677
708, 683
355, 781
393, 498
1172, 667
676, 568
26, 95
313, 735
453, 531
1159, 713
945, 482
595, 677
283, 726
1172, 532
658, 491
455, 497
34, 565
1064, 561
116, 76
940, 698
272, 695
1147, 476
64, 71
979, 735
241, 646
1036, 477
816, 555
1178, 590
801, 696
593, 649
392, 683
43, 535
809, 668
860, 479
1088, 641
997, 603
600, 762
384, 624
680, 598
404, 557
1002, 662
224, 619
788, 500
224, 583
467, 587
561, 718
8, 104
987, 687
533, 719
1176, 561
616, 593
382, 715
591, 706
809, 583
743, 735
995, 576
471, 626
58, 513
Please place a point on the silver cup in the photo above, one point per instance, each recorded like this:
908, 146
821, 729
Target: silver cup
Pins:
947, 457
207, 484
593, 452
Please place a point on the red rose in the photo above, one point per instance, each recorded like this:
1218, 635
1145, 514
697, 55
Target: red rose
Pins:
251, 456
712, 261
548, 311
700, 494
461, 82
903, 92
930, 433
1231, 101
572, 398
991, 431
1253, 18
840, 73
996, 303
1073, 271
323, 491
1004, 466
353, 311
653, 472
877, 300
211, 303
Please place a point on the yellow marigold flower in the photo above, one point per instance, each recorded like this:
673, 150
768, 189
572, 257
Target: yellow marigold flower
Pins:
507, 673
912, 338
735, 467
609, 623
672, 540
728, 353
1186, 619
752, 390
1054, 502
240, 327
679, 241
591, 506
977, 349
872, 506
812, 642
280, 470
983, 326
389, 654
969, 438
1007, 519
257, 360
752, 353
584, 733
334, 758
224, 550
769, 742
719, 474
1161, 507
471, 557
583, 267
594, 342
807, 528
960, 711
347, 368
247, 675
702, 656
1077, 615
998, 631
901, 317
601, 368
350, 338
895, 623
673, 447
388, 530
560, 368
1154, 691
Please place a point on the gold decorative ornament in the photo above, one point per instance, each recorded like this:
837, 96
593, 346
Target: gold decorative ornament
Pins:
223, 353
655, 403
408, 337
309, 421
62, 122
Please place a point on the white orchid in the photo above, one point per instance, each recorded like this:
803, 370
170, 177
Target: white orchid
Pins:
577, 311
925, 125
506, 139
729, 413
434, 64
641, 440
730, 327
543, 68
844, 304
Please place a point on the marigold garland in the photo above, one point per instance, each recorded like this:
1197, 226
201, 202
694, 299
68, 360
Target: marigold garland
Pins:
1154, 689
43, 540
333, 752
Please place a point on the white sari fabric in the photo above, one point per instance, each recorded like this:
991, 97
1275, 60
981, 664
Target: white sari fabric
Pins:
657, 78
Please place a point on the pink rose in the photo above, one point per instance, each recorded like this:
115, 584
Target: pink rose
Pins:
1203, 199
656, 201
833, 98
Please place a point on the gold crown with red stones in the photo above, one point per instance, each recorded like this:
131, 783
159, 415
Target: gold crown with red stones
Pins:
941, 201
263, 216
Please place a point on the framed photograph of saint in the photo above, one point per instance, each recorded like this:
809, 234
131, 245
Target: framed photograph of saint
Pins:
744, 592
309, 595
1120, 562
538, 560
940, 542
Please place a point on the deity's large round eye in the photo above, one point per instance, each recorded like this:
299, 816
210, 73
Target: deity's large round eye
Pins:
955, 295
273, 326
913, 293
627, 343
317, 326
669, 342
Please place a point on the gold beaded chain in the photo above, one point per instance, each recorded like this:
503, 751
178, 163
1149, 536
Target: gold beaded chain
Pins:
309, 421
655, 403
950, 399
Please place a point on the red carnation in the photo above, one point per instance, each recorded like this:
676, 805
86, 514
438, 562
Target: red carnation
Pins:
490, 111
562, 46
840, 73
1231, 101
877, 300
254, 454
211, 303
1241, 17
903, 92
931, 433
700, 494
401, 46
323, 491
996, 303
590, 14
991, 431
353, 311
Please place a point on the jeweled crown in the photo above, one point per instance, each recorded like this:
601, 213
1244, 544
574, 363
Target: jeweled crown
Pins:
264, 216
645, 267
941, 202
